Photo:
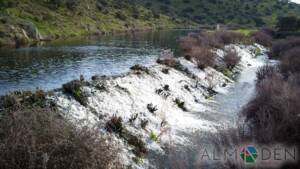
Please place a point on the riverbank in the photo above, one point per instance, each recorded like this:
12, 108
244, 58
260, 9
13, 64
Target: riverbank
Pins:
29, 22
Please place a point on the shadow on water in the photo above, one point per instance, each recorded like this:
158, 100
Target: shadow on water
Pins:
54, 63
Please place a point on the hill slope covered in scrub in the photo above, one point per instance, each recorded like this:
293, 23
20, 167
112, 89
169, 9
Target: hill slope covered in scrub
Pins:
236, 12
23, 21
30, 20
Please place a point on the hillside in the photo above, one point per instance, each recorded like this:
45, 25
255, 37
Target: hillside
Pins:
234, 12
32, 20
25, 21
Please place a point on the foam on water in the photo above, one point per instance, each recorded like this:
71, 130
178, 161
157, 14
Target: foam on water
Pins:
129, 94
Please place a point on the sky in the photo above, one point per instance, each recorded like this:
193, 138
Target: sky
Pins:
297, 1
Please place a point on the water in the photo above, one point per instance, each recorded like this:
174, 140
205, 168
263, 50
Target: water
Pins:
51, 65
225, 109
239, 94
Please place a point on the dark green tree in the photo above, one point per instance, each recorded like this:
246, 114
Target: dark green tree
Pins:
288, 23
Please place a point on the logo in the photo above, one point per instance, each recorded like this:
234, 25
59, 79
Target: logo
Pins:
249, 154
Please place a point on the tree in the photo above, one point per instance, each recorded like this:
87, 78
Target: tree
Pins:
288, 23
8, 3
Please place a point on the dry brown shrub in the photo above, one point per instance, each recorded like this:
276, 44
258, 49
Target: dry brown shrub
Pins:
171, 62
273, 113
290, 62
39, 138
231, 58
281, 46
199, 47
186, 43
266, 72
262, 38
203, 56
227, 37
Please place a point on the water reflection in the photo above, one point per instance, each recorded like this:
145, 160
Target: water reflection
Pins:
50, 66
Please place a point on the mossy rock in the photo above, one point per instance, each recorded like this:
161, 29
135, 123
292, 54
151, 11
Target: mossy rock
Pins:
75, 89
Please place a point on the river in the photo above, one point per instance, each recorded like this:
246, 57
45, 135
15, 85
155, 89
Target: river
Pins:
52, 64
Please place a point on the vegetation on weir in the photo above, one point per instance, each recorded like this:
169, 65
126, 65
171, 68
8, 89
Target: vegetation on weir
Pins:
200, 48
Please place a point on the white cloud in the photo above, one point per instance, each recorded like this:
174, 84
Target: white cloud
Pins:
296, 1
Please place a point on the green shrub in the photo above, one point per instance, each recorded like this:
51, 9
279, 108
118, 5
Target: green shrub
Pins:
153, 136
74, 88
72, 4
8, 3
257, 51
288, 23
121, 15
180, 104
228, 73
18, 99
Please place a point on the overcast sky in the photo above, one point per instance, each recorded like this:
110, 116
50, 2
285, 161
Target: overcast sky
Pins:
297, 1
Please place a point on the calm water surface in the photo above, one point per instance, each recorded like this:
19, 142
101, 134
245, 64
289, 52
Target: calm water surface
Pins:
51, 65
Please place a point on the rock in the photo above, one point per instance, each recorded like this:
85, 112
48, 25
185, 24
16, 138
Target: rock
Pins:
31, 31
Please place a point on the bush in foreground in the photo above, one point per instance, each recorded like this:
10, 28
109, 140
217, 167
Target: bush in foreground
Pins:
38, 138
274, 111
